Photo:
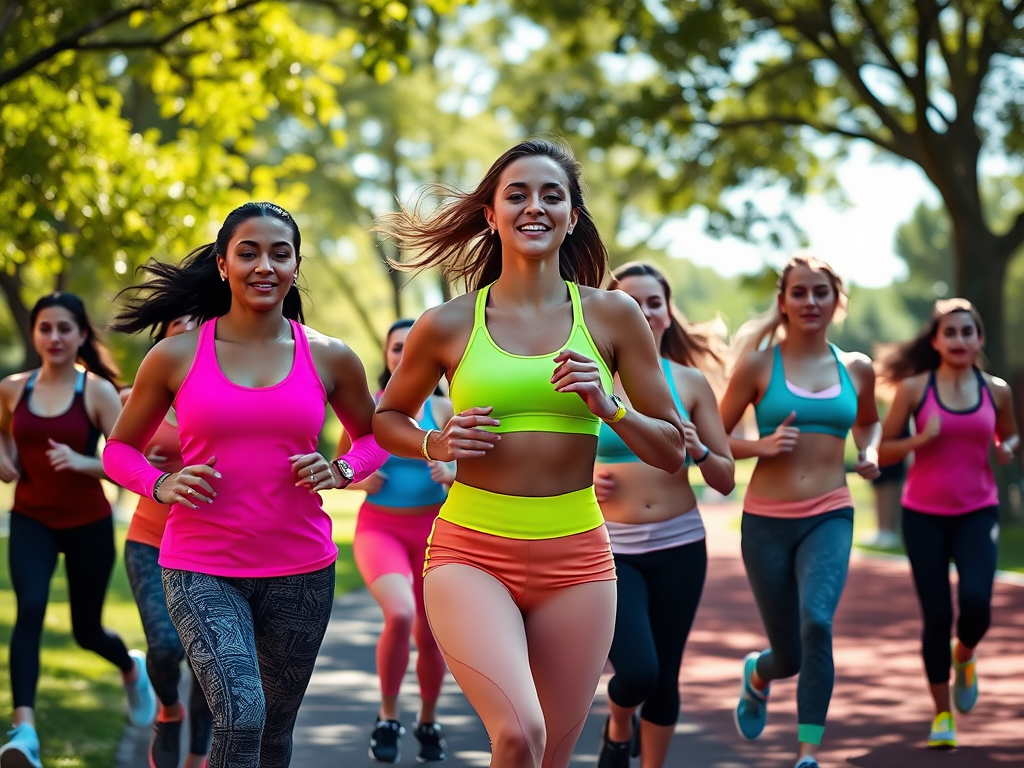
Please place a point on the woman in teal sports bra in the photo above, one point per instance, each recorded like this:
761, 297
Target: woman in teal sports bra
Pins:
798, 515
519, 584
657, 534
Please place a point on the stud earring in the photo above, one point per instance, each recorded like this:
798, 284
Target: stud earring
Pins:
295, 280
569, 232
223, 277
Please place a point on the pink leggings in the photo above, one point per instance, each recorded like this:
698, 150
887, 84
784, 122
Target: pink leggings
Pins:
388, 543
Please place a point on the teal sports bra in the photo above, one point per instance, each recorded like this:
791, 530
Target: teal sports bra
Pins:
611, 449
518, 387
828, 416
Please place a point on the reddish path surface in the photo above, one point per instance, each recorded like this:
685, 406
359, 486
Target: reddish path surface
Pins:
880, 710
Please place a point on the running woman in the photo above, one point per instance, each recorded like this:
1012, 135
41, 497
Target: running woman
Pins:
247, 556
402, 500
165, 651
519, 586
657, 534
50, 421
798, 515
950, 501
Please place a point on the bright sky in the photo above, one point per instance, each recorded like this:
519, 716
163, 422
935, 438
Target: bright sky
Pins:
857, 241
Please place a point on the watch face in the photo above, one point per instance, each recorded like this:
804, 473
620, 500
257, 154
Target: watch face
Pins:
345, 469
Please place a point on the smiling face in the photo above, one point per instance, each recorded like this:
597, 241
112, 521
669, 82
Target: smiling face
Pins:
957, 340
647, 291
809, 299
56, 336
260, 263
531, 211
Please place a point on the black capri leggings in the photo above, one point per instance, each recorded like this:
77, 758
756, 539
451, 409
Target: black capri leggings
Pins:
89, 556
971, 541
165, 651
252, 643
658, 594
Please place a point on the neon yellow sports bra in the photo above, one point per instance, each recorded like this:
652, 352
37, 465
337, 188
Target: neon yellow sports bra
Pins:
518, 387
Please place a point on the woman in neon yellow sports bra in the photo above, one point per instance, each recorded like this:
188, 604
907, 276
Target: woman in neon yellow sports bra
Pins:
798, 515
519, 586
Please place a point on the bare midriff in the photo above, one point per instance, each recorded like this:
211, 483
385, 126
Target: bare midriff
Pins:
813, 468
645, 494
533, 464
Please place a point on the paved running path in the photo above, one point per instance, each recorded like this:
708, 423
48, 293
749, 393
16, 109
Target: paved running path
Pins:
879, 716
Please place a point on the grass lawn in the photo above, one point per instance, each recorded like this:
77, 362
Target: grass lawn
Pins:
80, 702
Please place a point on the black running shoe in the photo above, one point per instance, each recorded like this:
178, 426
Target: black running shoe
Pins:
431, 741
385, 744
165, 749
613, 754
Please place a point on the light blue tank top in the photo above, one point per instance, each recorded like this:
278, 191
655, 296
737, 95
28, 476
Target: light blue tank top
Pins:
408, 482
829, 416
610, 447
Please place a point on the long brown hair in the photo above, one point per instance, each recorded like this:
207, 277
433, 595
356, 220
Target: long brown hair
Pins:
697, 346
456, 238
896, 362
769, 328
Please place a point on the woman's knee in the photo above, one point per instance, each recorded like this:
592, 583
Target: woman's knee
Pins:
633, 682
662, 706
816, 633
519, 741
31, 613
399, 617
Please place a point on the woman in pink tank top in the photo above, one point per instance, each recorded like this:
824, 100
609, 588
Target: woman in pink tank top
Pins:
247, 555
950, 500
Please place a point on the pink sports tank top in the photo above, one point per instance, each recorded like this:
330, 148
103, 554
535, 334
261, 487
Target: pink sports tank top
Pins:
260, 524
951, 475
150, 518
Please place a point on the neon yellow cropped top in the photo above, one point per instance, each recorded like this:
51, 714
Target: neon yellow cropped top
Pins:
518, 387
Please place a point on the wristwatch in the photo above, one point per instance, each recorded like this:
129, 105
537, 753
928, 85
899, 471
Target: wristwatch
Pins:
620, 410
346, 472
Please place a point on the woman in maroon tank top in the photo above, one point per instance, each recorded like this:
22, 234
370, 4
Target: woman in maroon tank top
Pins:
50, 421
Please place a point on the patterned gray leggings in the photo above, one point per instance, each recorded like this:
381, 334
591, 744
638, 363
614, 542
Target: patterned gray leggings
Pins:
252, 643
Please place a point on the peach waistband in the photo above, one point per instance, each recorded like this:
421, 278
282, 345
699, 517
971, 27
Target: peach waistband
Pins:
759, 505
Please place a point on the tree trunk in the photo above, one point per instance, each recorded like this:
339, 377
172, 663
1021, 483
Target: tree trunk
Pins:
11, 287
980, 278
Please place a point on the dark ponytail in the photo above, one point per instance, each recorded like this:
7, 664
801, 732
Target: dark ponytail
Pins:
92, 354
896, 362
194, 287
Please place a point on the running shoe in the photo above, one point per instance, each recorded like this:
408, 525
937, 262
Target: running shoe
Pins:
965, 684
431, 741
385, 744
165, 748
943, 734
613, 754
22, 751
141, 696
806, 762
752, 710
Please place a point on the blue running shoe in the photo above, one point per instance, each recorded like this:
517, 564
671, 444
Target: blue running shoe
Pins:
806, 762
965, 684
141, 696
943, 732
752, 710
22, 751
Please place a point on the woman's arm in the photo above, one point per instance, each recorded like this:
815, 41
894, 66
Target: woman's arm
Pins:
103, 406
742, 392
893, 449
1007, 438
652, 428
867, 432
706, 441
9, 471
412, 382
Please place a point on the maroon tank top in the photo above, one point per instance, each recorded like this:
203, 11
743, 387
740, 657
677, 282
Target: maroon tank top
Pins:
56, 499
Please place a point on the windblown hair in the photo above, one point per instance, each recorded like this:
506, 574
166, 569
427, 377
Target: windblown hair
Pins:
194, 287
896, 362
695, 345
455, 237
769, 328
93, 354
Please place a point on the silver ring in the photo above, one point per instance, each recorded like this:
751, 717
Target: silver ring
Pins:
312, 474
192, 491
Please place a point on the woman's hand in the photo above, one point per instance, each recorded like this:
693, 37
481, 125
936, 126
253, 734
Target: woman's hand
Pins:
1006, 450
695, 449
442, 472
9, 471
578, 373
783, 439
867, 463
604, 485
189, 486
463, 438
932, 429
62, 457
314, 472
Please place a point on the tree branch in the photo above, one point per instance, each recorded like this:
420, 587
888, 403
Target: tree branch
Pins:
13, 11
1009, 242
883, 46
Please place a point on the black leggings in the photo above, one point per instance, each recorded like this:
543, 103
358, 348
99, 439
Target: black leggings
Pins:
658, 594
252, 643
971, 541
165, 651
89, 556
